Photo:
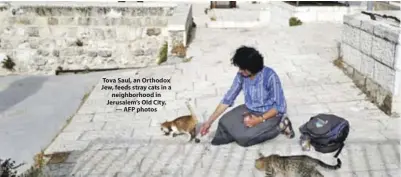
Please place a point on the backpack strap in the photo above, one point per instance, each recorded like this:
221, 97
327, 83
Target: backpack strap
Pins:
339, 150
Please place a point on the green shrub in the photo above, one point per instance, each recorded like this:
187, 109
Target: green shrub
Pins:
163, 54
8, 64
294, 21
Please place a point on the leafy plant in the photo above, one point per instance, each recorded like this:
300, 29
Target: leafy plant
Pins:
7, 168
8, 63
294, 21
79, 43
163, 54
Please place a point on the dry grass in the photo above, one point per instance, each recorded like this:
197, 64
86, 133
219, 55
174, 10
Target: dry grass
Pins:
339, 62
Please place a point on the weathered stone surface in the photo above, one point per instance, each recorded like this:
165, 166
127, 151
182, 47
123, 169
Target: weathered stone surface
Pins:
153, 31
352, 56
387, 32
367, 26
385, 76
366, 40
96, 36
383, 51
368, 66
378, 48
52, 21
351, 36
104, 53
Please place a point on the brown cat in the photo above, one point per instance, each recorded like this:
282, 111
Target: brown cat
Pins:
179, 50
292, 166
182, 125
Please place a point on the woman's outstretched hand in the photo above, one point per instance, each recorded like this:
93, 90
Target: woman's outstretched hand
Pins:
205, 127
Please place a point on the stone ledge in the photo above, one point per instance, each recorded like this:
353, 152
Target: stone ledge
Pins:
382, 29
90, 4
284, 11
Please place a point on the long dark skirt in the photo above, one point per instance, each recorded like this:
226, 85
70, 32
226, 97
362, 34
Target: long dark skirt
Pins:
231, 128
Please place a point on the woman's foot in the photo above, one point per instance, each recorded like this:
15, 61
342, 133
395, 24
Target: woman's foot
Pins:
286, 128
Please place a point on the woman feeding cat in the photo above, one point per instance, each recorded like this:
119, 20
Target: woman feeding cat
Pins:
262, 116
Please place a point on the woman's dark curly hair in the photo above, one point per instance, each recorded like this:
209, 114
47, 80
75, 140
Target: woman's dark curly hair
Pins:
248, 58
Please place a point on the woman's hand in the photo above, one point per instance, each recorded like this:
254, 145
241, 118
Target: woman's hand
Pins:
252, 120
205, 127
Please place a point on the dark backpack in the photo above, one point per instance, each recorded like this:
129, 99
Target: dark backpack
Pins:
327, 132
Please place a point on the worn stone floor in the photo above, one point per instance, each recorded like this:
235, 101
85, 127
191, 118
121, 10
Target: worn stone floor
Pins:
104, 141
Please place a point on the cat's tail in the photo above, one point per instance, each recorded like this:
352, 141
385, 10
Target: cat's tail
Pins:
332, 167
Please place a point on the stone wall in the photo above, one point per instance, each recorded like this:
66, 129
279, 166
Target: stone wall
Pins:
377, 5
281, 12
40, 37
180, 26
371, 57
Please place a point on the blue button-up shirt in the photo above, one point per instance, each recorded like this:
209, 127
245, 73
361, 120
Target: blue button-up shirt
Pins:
262, 93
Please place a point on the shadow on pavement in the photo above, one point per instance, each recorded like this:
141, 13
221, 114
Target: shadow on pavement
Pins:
20, 90
159, 157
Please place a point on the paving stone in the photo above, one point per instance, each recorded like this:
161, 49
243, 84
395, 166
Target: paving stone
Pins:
312, 109
69, 136
82, 118
106, 134
84, 126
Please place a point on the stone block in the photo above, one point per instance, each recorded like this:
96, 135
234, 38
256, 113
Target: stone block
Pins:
384, 76
387, 32
52, 21
72, 51
110, 33
6, 44
367, 66
366, 40
351, 56
66, 146
383, 51
397, 62
32, 31
351, 36
384, 100
307, 16
69, 136
23, 20
371, 88
352, 21
68, 21
359, 79
367, 26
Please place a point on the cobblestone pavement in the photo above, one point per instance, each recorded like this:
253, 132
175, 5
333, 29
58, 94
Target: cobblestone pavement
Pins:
106, 142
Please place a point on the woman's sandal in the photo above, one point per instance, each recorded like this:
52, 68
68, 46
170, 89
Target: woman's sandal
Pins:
286, 128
